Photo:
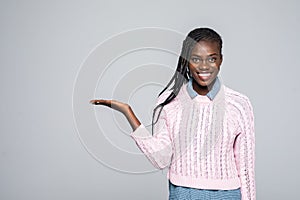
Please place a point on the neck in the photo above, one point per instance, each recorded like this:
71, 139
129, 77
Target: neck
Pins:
202, 90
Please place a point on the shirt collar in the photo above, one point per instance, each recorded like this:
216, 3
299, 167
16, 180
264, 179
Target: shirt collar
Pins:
211, 94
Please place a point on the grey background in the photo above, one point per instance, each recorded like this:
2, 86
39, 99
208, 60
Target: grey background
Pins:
43, 46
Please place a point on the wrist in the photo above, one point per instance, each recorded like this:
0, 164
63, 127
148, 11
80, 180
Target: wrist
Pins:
133, 120
127, 110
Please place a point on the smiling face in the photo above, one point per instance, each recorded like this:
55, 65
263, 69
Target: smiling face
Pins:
204, 65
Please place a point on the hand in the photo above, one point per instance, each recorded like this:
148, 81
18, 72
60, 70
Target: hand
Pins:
117, 105
122, 107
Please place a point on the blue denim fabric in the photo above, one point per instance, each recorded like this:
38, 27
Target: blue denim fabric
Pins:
185, 193
211, 94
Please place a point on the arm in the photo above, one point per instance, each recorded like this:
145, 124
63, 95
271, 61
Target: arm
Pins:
121, 107
244, 152
156, 148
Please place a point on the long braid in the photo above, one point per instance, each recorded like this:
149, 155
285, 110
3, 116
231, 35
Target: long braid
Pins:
182, 71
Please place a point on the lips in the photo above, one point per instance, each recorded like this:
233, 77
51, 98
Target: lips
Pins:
204, 75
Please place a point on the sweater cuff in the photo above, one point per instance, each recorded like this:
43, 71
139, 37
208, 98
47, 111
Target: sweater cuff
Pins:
140, 133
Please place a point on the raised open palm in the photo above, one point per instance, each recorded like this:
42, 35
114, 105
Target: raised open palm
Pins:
121, 107
117, 105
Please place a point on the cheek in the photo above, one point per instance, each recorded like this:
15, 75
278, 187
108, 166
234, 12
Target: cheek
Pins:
191, 66
217, 69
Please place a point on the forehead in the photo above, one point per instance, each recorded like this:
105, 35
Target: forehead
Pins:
206, 48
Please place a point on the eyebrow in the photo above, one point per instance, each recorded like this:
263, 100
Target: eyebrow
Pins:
213, 54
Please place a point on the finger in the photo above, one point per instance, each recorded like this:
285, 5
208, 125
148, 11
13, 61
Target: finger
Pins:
101, 102
94, 101
97, 102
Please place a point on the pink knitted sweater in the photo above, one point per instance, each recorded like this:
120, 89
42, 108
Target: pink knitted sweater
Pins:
206, 144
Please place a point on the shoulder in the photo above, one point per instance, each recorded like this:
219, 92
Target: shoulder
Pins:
162, 97
177, 100
239, 100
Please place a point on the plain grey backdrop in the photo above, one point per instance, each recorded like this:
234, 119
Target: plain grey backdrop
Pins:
44, 45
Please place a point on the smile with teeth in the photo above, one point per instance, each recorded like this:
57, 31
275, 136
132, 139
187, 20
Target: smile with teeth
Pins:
204, 74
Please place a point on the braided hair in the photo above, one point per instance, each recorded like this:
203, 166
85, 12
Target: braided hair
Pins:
182, 71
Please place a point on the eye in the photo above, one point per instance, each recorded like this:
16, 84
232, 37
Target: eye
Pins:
195, 60
212, 59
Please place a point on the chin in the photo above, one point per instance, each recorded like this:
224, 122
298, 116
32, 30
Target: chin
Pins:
205, 83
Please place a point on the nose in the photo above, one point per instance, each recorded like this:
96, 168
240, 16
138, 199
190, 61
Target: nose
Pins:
203, 66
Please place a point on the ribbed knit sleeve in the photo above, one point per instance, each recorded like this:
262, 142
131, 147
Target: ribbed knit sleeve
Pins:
244, 151
157, 147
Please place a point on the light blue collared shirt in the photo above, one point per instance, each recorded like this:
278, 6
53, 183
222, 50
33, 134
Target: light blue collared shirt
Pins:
211, 94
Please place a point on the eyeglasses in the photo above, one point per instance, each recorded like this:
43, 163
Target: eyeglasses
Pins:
210, 60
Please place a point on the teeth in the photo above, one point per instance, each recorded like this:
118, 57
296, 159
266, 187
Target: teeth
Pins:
204, 74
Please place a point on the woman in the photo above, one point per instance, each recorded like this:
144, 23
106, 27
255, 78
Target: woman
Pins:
202, 130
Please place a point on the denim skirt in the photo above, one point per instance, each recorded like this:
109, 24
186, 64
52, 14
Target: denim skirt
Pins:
185, 193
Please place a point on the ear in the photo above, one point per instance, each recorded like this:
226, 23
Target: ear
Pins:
221, 60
